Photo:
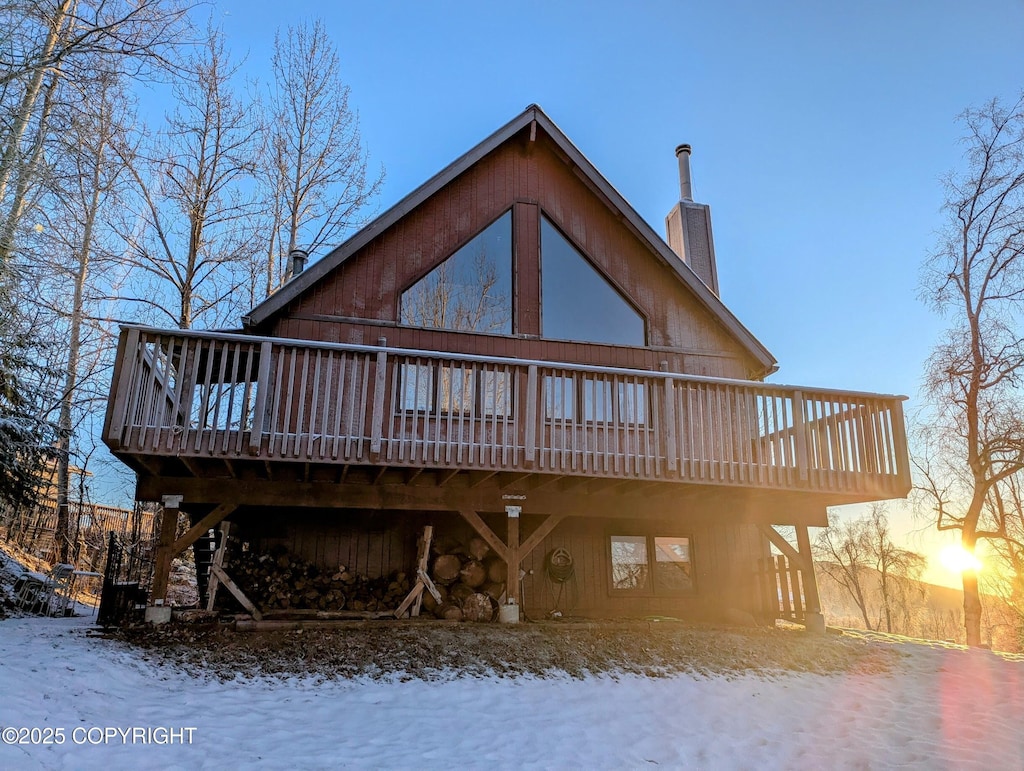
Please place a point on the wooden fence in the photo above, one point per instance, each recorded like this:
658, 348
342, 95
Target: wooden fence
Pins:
782, 589
90, 526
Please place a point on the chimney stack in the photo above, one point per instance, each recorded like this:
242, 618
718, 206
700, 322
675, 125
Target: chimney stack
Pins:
688, 227
297, 262
685, 184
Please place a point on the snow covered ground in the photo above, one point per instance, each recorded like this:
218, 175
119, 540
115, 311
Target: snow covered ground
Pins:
941, 708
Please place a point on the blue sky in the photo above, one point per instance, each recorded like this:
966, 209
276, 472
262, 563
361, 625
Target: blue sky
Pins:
820, 133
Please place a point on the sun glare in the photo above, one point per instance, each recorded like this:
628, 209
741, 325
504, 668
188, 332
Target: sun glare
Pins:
956, 558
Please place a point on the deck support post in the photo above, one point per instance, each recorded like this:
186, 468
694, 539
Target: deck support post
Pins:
815, 621
514, 585
513, 551
165, 549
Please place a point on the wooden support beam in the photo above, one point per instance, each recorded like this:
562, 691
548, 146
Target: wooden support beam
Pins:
477, 478
485, 532
569, 484
543, 480
443, 477
164, 552
712, 503
195, 532
218, 571
781, 544
511, 478
428, 585
411, 474
540, 534
379, 474
218, 561
415, 595
190, 464
813, 601
513, 585
414, 599
608, 485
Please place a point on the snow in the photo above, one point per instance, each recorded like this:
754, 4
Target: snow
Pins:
942, 707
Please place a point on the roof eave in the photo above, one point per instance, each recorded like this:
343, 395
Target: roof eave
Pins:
339, 254
641, 228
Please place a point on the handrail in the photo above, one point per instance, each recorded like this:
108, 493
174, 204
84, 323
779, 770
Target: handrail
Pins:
189, 393
487, 359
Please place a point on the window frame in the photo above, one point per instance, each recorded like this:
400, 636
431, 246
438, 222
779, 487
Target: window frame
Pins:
512, 279
651, 589
612, 283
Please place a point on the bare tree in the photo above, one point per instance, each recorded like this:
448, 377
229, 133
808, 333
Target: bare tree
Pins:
899, 572
48, 43
84, 184
193, 230
110, 29
973, 434
843, 553
317, 177
1005, 507
882, 578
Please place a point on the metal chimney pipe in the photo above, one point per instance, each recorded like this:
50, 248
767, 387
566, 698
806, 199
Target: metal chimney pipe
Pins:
685, 185
298, 258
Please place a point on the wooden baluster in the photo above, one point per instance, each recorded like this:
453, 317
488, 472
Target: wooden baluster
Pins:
339, 404
122, 385
799, 435
327, 438
532, 399
379, 383
900, 454
259, 415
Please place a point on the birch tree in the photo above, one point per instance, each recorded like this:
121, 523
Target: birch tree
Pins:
192, 229
47, 43
76, 238
972, 437
316, 167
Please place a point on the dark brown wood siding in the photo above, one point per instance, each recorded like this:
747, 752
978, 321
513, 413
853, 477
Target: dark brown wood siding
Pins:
725, 557
359, 301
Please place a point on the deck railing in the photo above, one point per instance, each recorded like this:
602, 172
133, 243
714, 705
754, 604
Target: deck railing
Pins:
223, 395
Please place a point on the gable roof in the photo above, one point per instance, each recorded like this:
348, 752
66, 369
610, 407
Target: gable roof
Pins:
531, 117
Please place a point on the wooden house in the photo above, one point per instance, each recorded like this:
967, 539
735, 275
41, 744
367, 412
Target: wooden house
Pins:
510, 351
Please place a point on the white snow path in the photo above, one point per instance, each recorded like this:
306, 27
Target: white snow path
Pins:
942, 708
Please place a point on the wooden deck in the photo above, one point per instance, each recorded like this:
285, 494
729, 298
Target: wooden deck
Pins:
214, 403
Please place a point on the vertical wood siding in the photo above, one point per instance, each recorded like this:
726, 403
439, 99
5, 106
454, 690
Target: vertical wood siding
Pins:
725, 557
531, 179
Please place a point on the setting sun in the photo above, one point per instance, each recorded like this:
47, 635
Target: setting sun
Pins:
957, 559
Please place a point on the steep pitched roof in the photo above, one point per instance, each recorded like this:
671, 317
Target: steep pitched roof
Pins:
530, 118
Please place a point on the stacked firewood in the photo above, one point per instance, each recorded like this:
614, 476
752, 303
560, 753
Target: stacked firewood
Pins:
470, 579
280, 580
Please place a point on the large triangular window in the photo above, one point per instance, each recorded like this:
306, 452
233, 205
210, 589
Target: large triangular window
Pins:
471, 291
577, 302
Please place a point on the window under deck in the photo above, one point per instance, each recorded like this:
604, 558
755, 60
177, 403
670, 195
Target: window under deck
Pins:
226, 401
